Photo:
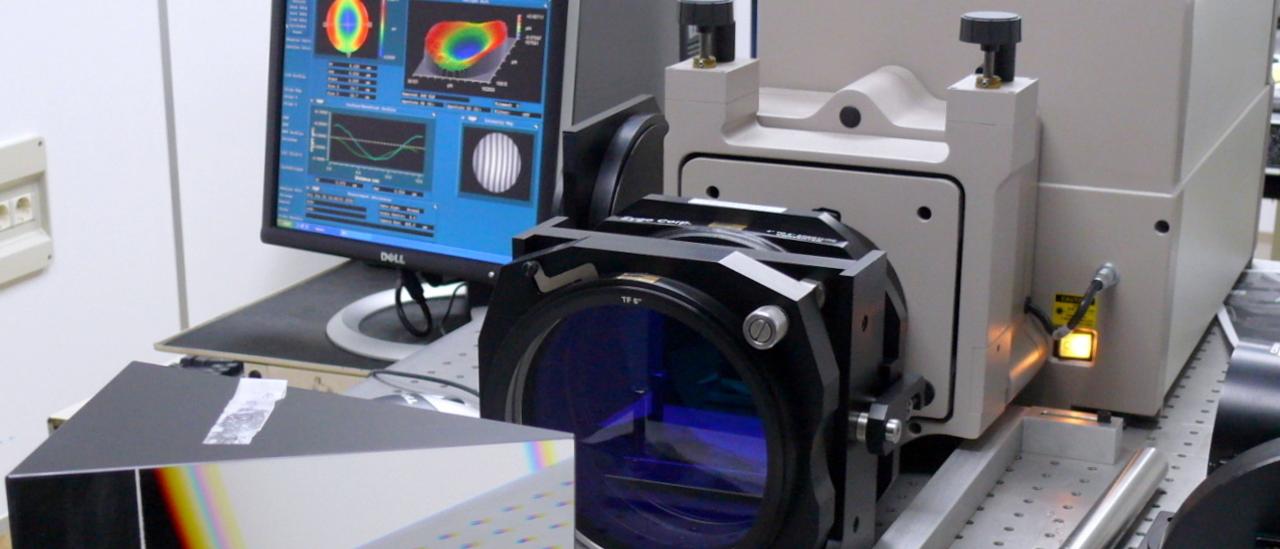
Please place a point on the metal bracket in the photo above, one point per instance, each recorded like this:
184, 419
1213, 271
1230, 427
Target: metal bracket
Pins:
880, 427
547, 284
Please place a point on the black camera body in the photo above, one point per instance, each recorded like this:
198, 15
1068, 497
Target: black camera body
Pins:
729, 371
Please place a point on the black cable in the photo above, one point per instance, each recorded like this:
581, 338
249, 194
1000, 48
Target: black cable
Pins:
378, 373
1040, 316
1094, 287
409, 281
444, 322
1089, 296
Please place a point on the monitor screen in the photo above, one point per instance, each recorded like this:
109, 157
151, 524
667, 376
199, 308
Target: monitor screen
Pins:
413, 132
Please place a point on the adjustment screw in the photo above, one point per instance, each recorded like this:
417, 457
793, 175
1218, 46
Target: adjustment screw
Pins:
998, 33
531, 268
710, 17
893, 431
765, 327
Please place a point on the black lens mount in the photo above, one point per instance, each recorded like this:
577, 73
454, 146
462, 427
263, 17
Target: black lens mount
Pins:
633, 336
710, 320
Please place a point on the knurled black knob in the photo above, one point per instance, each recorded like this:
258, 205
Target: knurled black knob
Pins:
706, 13
991, 28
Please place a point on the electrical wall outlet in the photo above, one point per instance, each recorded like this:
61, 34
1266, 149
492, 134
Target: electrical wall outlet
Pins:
26, 240
24, 209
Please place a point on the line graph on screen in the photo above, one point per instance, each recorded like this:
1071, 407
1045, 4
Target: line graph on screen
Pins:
376, 142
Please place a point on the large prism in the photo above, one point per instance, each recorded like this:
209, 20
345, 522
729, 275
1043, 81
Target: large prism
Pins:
133, 469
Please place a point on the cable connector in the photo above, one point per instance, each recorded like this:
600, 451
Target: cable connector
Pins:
1107, 275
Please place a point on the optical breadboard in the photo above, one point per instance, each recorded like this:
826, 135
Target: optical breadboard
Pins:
1036, 502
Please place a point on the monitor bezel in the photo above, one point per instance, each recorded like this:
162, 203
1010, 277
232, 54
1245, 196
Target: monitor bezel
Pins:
444, 265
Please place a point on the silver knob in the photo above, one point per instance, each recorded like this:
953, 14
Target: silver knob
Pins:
893, 431
765, 327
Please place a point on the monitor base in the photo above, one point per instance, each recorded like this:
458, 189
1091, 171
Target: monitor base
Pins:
344, 328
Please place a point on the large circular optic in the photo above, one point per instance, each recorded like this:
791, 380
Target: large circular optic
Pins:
671, 445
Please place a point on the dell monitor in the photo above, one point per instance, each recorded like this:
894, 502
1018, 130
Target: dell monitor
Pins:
426, 134
417, 133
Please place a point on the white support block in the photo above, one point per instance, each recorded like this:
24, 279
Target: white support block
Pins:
1072, 435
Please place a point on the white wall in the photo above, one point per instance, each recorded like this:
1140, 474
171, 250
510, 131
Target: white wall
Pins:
86, 75
743, 16
220, 102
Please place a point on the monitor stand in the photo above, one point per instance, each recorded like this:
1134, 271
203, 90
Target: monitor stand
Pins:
345, 328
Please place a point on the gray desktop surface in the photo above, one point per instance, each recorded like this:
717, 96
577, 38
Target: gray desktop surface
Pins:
152, 415
454, 357
288, 328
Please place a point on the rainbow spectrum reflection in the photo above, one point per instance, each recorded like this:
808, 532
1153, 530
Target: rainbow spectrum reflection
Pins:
199, 507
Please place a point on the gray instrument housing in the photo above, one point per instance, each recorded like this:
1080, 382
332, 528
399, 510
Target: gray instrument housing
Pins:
1145, 153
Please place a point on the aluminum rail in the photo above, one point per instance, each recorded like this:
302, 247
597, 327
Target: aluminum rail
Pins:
1120, 505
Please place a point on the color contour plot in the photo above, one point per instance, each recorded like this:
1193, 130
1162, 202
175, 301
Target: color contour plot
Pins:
346, 28
474, 49
466, 50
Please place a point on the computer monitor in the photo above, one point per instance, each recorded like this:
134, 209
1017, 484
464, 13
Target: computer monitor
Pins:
414, 133
426, 134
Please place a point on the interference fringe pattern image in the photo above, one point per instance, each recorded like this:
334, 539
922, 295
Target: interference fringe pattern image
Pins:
456, 46
497, 163
348, 25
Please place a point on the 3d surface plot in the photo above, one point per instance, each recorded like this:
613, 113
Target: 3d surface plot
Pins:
457, 46
348, 25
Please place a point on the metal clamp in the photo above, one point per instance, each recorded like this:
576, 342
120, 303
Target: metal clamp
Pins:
881, 426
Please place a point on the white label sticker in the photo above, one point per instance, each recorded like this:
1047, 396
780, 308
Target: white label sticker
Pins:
247, 412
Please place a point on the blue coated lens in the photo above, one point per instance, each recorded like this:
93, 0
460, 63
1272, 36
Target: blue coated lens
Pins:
671, 448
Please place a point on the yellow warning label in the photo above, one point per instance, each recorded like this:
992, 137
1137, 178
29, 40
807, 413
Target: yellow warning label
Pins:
1065, 305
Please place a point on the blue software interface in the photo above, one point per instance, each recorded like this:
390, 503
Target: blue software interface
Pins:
414, 124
